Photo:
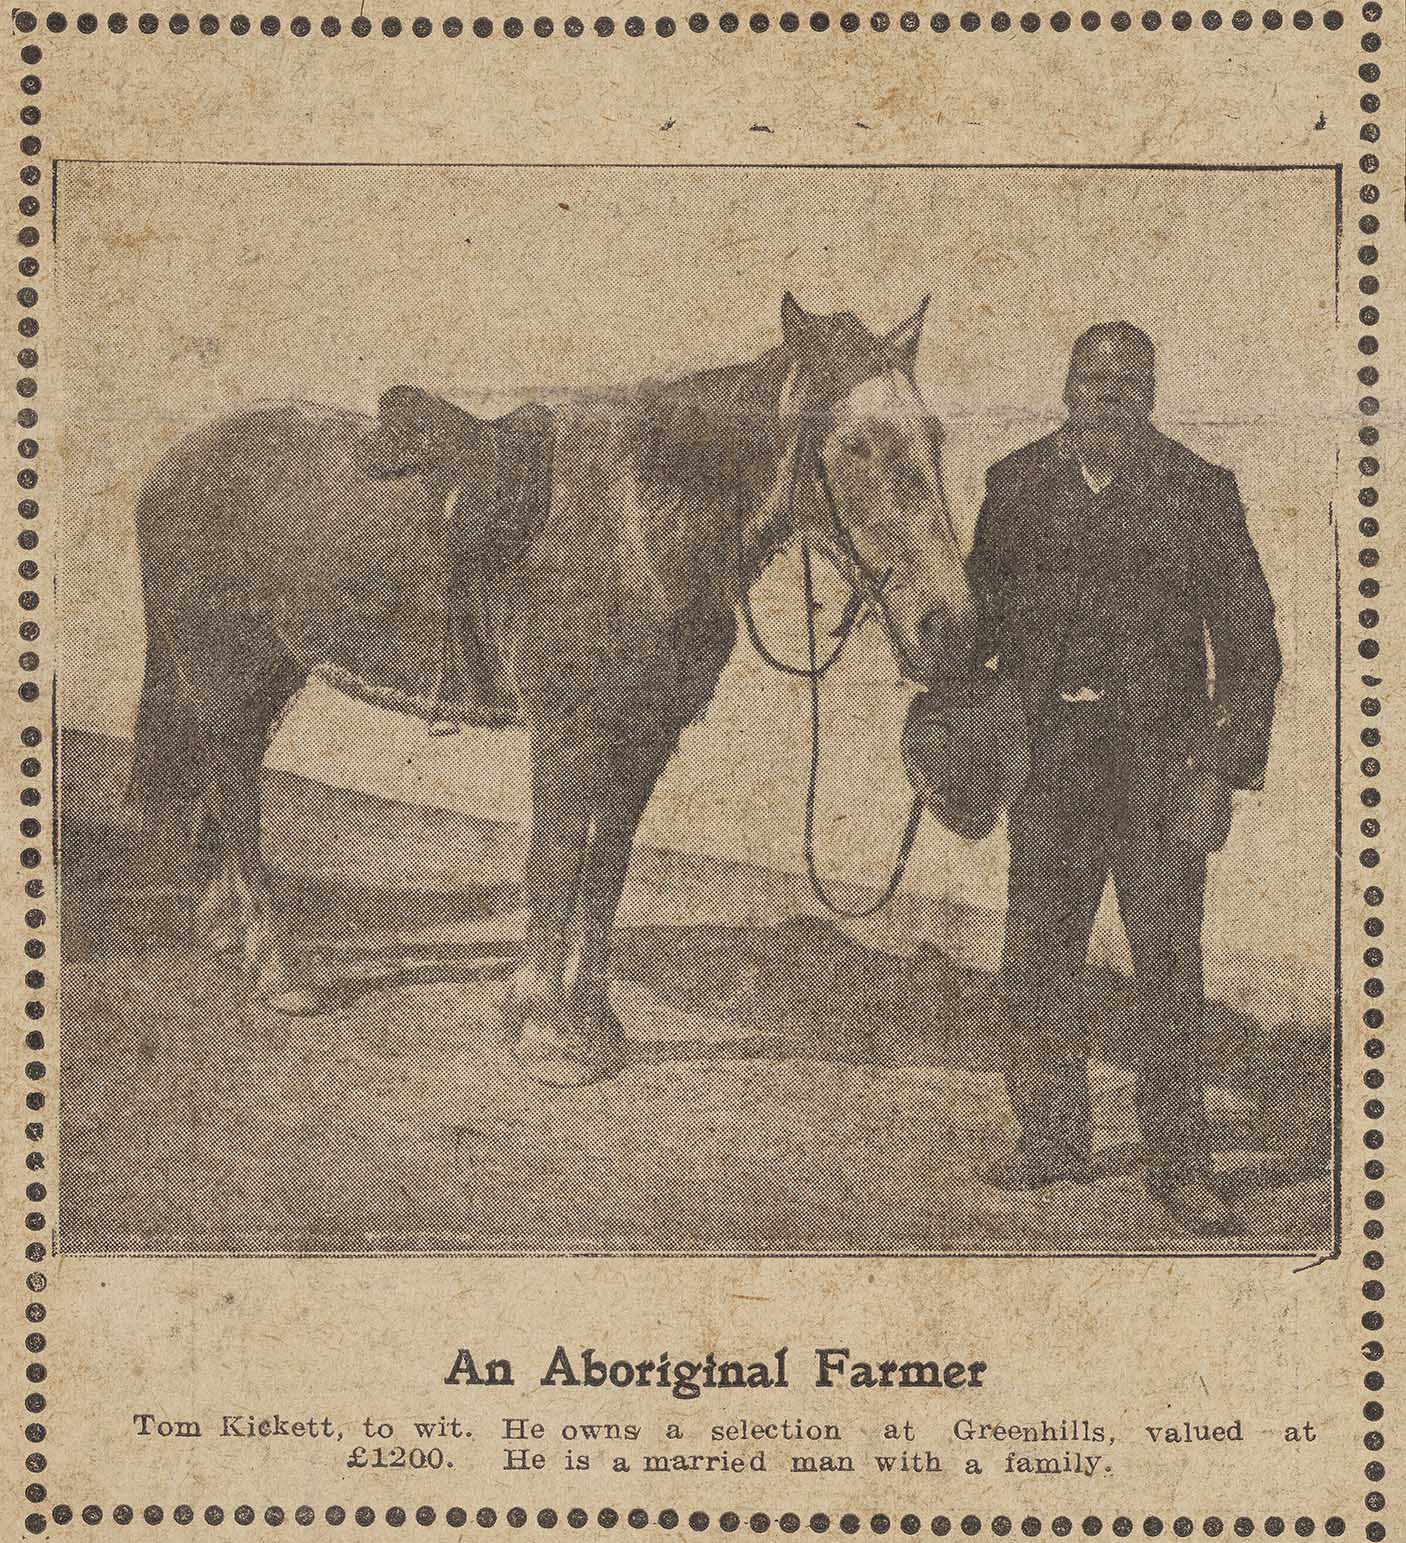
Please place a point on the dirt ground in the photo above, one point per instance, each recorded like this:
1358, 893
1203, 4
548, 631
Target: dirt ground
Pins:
788, 1089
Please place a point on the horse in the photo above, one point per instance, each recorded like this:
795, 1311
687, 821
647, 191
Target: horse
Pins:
269, 550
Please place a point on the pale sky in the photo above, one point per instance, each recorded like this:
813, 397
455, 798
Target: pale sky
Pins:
189, 292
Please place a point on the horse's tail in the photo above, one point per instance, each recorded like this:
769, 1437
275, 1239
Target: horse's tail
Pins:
169, 767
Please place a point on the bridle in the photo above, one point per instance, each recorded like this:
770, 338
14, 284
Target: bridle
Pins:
866, 595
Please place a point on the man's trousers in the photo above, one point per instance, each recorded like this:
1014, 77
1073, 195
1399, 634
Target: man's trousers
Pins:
1101, 801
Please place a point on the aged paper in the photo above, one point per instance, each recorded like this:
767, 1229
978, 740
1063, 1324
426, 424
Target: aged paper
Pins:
702, 741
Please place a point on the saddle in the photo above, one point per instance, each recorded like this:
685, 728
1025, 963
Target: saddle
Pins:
493, 477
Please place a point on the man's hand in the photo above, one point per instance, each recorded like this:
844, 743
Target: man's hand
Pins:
1235, 753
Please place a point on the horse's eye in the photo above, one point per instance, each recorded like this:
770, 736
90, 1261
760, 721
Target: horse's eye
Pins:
908, 481
857, 446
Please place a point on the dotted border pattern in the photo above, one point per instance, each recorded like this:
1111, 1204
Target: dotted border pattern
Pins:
1369, 650
32, 770
87, 22
908, 1525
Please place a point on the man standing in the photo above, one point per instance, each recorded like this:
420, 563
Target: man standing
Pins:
1105, 556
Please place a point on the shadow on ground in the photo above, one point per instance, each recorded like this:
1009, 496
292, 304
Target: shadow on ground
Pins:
788, 1089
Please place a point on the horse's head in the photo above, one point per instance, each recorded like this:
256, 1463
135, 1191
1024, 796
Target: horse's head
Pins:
865, 481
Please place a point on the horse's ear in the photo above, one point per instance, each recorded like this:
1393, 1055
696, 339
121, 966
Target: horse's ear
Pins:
904, 339
795, 324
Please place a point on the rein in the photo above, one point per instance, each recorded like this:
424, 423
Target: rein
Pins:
856, 606
866, 594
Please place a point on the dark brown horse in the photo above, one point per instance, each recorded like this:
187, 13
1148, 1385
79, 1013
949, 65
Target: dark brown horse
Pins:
269, 549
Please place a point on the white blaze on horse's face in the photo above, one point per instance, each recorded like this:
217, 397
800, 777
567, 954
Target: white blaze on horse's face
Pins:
883, 458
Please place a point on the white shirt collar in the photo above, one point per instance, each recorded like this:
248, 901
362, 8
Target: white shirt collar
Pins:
1094, 484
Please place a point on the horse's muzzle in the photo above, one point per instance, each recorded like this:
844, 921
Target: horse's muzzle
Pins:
943, 642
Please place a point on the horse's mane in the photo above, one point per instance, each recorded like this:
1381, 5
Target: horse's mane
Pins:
714, 433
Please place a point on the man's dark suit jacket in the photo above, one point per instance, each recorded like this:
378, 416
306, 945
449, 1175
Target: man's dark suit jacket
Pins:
1149, 568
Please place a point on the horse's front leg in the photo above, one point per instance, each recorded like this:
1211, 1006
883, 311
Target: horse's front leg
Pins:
539, 1019
583, 824
602, 884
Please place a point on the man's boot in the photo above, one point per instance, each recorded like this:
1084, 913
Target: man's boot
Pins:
1071, 1107
1193, 1204
1050, 1097
1171, 1109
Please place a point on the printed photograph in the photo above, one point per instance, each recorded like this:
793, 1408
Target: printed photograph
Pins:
697, 710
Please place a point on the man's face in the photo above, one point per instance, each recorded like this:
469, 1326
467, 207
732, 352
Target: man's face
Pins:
1109, 396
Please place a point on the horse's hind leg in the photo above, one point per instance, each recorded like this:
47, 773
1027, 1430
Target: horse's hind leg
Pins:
216, 917
256, 933
239, 907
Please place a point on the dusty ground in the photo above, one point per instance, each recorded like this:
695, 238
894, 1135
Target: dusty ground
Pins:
788, 1088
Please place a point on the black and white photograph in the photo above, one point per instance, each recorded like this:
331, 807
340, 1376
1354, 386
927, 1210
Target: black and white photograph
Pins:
697, 710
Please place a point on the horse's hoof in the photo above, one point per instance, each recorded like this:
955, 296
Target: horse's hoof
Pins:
510, 1026
559, 1058
223, 942
608, 1065
300, 1002
560, 1070
610, 1043
273, 971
